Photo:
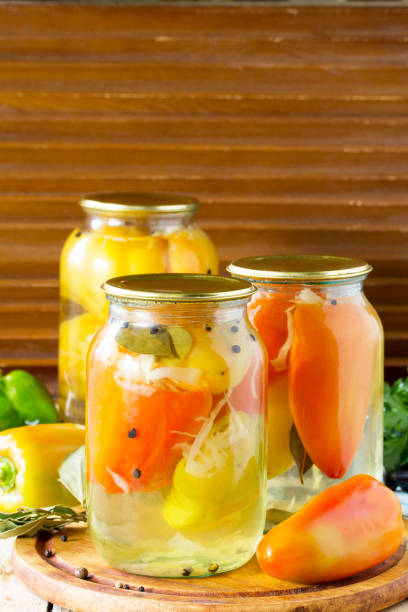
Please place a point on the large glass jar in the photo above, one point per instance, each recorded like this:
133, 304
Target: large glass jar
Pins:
325, 349
123, 233
176, 402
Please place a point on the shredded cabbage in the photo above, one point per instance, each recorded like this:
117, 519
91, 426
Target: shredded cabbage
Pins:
119, 481
279, 363
307, 296
134, 371
205, 430
177, 374
231, 438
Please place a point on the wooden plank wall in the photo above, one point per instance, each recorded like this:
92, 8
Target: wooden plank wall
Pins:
290, 124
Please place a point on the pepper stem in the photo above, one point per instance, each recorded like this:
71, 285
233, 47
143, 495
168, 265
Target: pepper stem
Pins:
8, 473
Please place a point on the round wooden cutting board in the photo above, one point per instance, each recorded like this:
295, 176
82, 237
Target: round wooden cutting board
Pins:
246, 589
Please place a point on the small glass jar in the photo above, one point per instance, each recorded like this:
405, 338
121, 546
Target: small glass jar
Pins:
123, 233
176, 400
325, 350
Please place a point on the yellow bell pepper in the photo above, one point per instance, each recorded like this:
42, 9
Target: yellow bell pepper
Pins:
195, 500
29, 460
224, 478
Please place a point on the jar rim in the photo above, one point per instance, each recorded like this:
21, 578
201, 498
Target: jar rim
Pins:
139, 203
178, 288
299, 267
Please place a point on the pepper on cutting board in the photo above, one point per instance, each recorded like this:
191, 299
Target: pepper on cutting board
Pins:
344, 530
29, 460
27, 397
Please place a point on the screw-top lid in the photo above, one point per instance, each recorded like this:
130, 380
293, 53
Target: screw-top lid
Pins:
137, 204
292, 268
178, 288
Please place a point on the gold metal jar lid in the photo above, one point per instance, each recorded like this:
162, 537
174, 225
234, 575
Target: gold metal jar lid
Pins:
295, 268
178, 288
136, 204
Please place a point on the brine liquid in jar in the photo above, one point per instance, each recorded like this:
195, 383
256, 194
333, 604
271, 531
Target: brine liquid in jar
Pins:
175, 420
123, 233
325, 352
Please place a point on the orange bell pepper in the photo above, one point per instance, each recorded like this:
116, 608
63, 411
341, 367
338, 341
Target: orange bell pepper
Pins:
132, 444
345, 530
267, 313
331, 369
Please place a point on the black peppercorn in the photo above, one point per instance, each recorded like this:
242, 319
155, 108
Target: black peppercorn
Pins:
236, 348
78, 234
132, 433
187, 571
334, 302
49, 553
234, 329
154, 330
141, 589
126, 586
252, 337
64, 538
137, 473
209, 271
208, 328
81, 572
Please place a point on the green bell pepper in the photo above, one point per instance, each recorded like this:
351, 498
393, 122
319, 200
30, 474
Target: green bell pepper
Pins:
8, 416
28, 397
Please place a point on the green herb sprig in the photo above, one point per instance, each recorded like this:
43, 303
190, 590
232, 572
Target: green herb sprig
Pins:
396, 425
28, 521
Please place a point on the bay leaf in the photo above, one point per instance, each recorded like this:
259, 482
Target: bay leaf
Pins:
29, 528
72, 475
141, 340
28, 521
171, 341
181, 340
299, 454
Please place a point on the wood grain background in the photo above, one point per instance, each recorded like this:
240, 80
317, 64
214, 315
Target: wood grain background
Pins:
290, 124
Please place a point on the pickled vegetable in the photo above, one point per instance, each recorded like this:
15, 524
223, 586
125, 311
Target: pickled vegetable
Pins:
280, 421
91, 257
190, 250
209, 486
329, 396
267, 312
139, 451
169, 446
221, 355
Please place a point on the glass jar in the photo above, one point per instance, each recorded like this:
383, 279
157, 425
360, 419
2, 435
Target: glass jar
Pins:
325, 350
176, 400
123, 233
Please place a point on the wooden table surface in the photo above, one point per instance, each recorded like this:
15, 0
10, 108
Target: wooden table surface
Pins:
15, 597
